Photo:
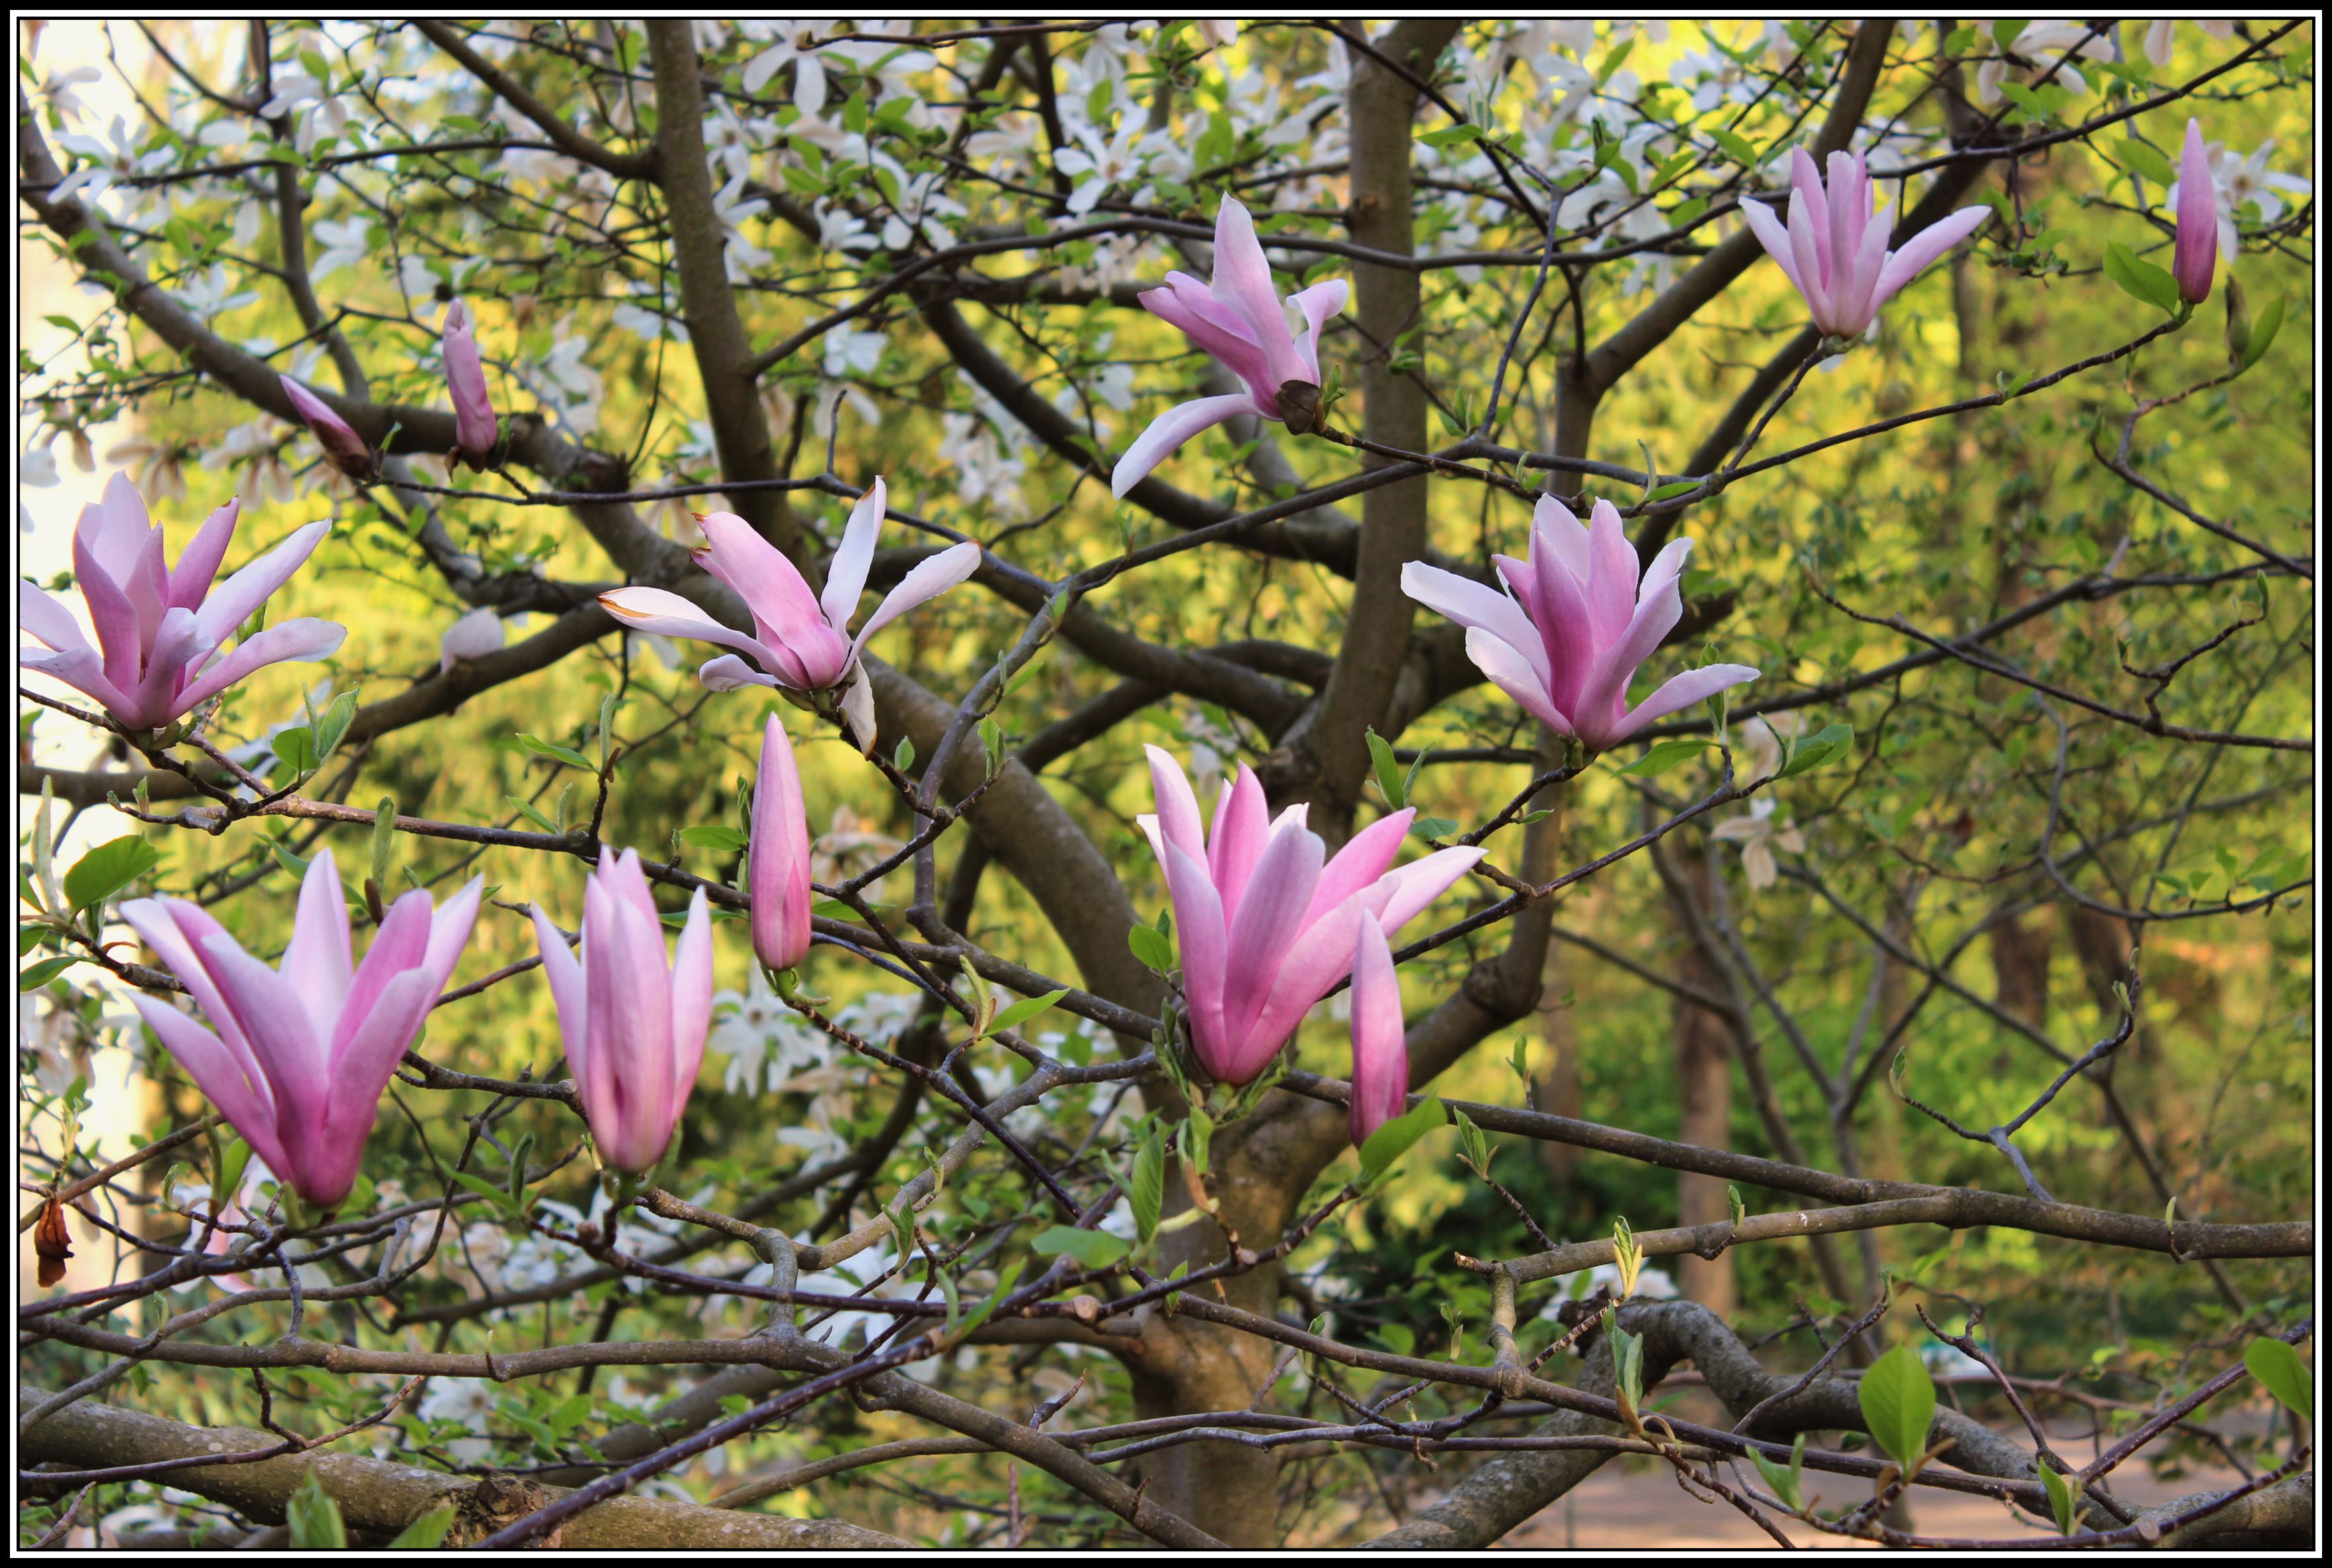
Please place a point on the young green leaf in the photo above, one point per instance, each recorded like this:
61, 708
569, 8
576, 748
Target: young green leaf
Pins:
1395, 1138
1021, 1011
1388, 770
2282, 1373
1818, 750
1673, 752
2263, 331
2141, 279
1898, 1404
714, 836
1783, 1478
2064, 1498
425, 1534
314, 1519
1147, 1191
384, 839
1151, 946
1005, 1279
109, 868
1627, 1368
1089, 1248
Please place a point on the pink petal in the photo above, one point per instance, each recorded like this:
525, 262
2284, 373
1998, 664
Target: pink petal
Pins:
759, 573
1243, 281
729, 673
1178, 807
1818, 261
1417, 885
285, 1042
243, 1099
1242, 827
1169, 430
1924, 247
318, 963
2196, 255
1269, 920
926, 580
845, 575
1221, 332
1475, 606
1610, 576
292, 641
172, 927
1318, 303
1678, 693
692, 1000
474, 427
198, 566
46, 618
1199, 932
627, 1082
400, 944
1510, 671
111, 610
1379, 1046
1776, 238
566, 995
449, 932
1565, 624
80, 669
1365, 857
359, 1074
648, 609
1813, 280
1320, 958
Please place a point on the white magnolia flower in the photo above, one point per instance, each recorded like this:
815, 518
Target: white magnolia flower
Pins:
1098, 163
732, 208
257, 449
2045, 45
753, 1027
37, 466
1758, 835
158, 468
849, 848
850, 351
103, 162
473, 636
1948, 1361
62, 90
213, 293
469, 1401
2159, 31
343, 242
317, 113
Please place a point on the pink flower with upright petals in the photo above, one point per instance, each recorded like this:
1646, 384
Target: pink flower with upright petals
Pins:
1379, 1047
1568, 649
634, 1023
800, 643
2197, 256
1266, 929
1239, 321
474, 427
777, 873
1834, 252
348, 450
160, 628
299, 1055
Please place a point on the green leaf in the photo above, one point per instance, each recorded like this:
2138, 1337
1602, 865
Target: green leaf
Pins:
43, 972
1389, 778
1783, 1478
1673, 752
531, 815
1147, 1191
1738, 148
1432, 828
2282, 1373
1613, 61
383, 839
315, 1519
1898, 1404
714, 836
1473, 1142
1450, 136
1151, 946
494, 1193
902, 756
297, 749
334, 725
2263, 331
2141, 279
2142, 159
556, 753
1005, 1279
1628, 1367
426, 1532
2005, 33
109, 868
1396, 1137
2064, 1496
1673, 487
1089, 1248
1021, 1011
1833, 742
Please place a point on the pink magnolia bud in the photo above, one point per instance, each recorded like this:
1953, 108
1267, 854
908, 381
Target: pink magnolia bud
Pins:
466, 378
2197, 256
341, 443
1379, 1047
634, 1023
777, 873
301, 1055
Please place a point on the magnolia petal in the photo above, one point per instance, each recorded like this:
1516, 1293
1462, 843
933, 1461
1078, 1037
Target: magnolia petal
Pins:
777, 875
1420, 883
1924, 247
359, 1073
2195, 255
1177, 805
449, 932
729, 673
1510, 671
401, 944
1365, 857
1678, 693
46, 618
1169, 430
198, 564
858, 710
1771, 234
84, 671
1320, 959
241, 1098
846, 575
286, 642
566, 977
1219, 331
318, 963
1477, 606
1199, 927
1603, 696
1611, 575
1242, 827
1379, 1047
1270, 918
1242, 279
692, 1000
648, 610
1318, 303
927, 579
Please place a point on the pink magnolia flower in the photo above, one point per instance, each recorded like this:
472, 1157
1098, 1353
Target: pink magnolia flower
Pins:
634, 1025
1834, 252
1568, 649
1266, 929
297, 1058
802, 644
1237, 319
160, 628
2197, 256
348, 450
777, 873
1379, 1046
475, 427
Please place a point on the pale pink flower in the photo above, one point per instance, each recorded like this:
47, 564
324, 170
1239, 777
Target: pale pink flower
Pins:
1836, 254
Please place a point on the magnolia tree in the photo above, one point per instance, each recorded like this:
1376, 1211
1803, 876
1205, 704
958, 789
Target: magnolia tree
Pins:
1481, 630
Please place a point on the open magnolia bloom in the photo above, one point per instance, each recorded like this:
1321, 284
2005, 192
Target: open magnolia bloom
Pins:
1567, 650
1379, 1044
297, 1058
1267, 923
1239, 321
160, 629
801, 643
1836, 254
